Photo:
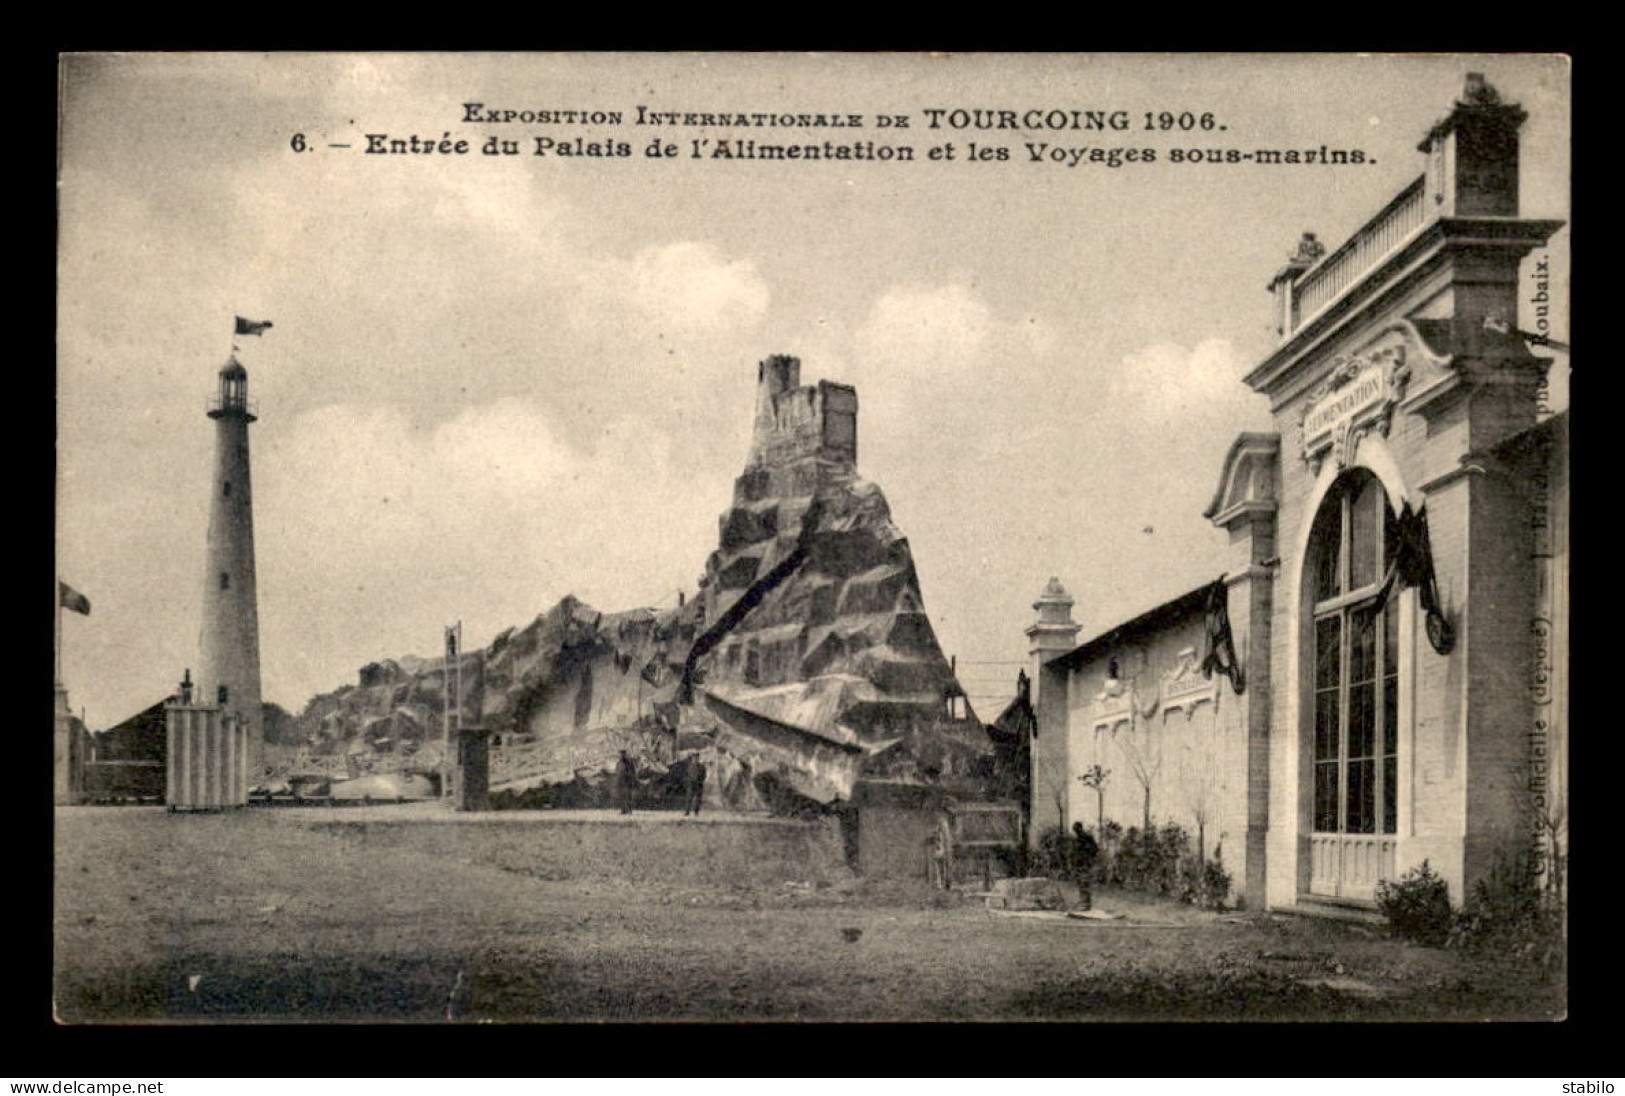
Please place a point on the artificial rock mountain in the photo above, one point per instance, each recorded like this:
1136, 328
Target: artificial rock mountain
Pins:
804, 665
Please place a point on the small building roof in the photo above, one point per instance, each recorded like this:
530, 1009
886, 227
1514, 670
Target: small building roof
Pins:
143, 735
1185, 605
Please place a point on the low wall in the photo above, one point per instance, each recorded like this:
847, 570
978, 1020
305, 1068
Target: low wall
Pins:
895, 842
705, 852
108, 780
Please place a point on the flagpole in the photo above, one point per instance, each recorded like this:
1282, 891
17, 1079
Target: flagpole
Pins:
445, 715
452, 698
457, 716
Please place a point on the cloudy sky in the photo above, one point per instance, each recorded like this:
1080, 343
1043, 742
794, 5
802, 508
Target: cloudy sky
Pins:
496, 380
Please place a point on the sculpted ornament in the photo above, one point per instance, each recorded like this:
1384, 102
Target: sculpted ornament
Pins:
1342, 435
1185, 686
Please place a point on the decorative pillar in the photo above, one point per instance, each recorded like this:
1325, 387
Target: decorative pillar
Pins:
1053, 634
1472, 166
1308, 253
1245, 506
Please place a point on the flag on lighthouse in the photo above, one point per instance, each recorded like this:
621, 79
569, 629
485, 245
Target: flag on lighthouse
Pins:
251, 327
69, 598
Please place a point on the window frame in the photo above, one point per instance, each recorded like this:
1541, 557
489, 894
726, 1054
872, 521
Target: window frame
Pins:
1345, 605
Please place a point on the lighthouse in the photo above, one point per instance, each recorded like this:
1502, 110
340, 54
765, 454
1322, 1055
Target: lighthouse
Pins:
229, 647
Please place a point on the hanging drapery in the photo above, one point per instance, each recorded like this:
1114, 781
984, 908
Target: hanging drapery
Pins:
1220, 653
1412, 565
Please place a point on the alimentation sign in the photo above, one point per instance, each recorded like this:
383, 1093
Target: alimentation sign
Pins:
1352, 399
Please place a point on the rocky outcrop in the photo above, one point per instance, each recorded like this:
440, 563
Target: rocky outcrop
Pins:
820, 666
564, 695
805, 664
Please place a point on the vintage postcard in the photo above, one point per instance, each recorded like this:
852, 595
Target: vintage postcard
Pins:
829, 537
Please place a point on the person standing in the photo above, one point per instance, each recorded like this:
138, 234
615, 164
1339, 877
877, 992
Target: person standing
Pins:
625, 776
1085, 852
937, 850
693, 786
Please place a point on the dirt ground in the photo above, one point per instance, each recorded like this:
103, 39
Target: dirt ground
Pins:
403, 913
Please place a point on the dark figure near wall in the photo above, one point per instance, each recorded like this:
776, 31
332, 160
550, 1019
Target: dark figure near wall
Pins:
693, 786
625, 777
1084, 853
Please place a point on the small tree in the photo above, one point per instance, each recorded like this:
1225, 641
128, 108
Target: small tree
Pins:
1055, 784
1144, 760
1094, 778
1203, 769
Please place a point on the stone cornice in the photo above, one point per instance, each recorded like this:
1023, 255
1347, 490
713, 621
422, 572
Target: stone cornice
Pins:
1246, 489
1245, 513
1397, 272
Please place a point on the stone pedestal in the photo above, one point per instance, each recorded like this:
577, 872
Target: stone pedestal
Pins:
471, 784
70, 753
208, 750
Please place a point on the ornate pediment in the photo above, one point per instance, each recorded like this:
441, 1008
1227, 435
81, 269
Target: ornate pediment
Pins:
1357, 397
1185, 686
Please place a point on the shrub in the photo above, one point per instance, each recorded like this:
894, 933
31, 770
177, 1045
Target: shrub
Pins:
1417, 906
1209, 884
1511, 917
1110, 839
1053, 855
1127, 860
1169, 847
1161, 861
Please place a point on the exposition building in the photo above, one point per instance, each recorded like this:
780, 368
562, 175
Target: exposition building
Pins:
1380, 677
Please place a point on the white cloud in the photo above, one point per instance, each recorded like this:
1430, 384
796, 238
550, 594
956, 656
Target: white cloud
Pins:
365, 488
686, 287
374, 527
495, 195
506, 448
934, 362
1173, 382
931, 329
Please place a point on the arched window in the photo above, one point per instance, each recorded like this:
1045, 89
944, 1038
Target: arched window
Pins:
1355, 655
